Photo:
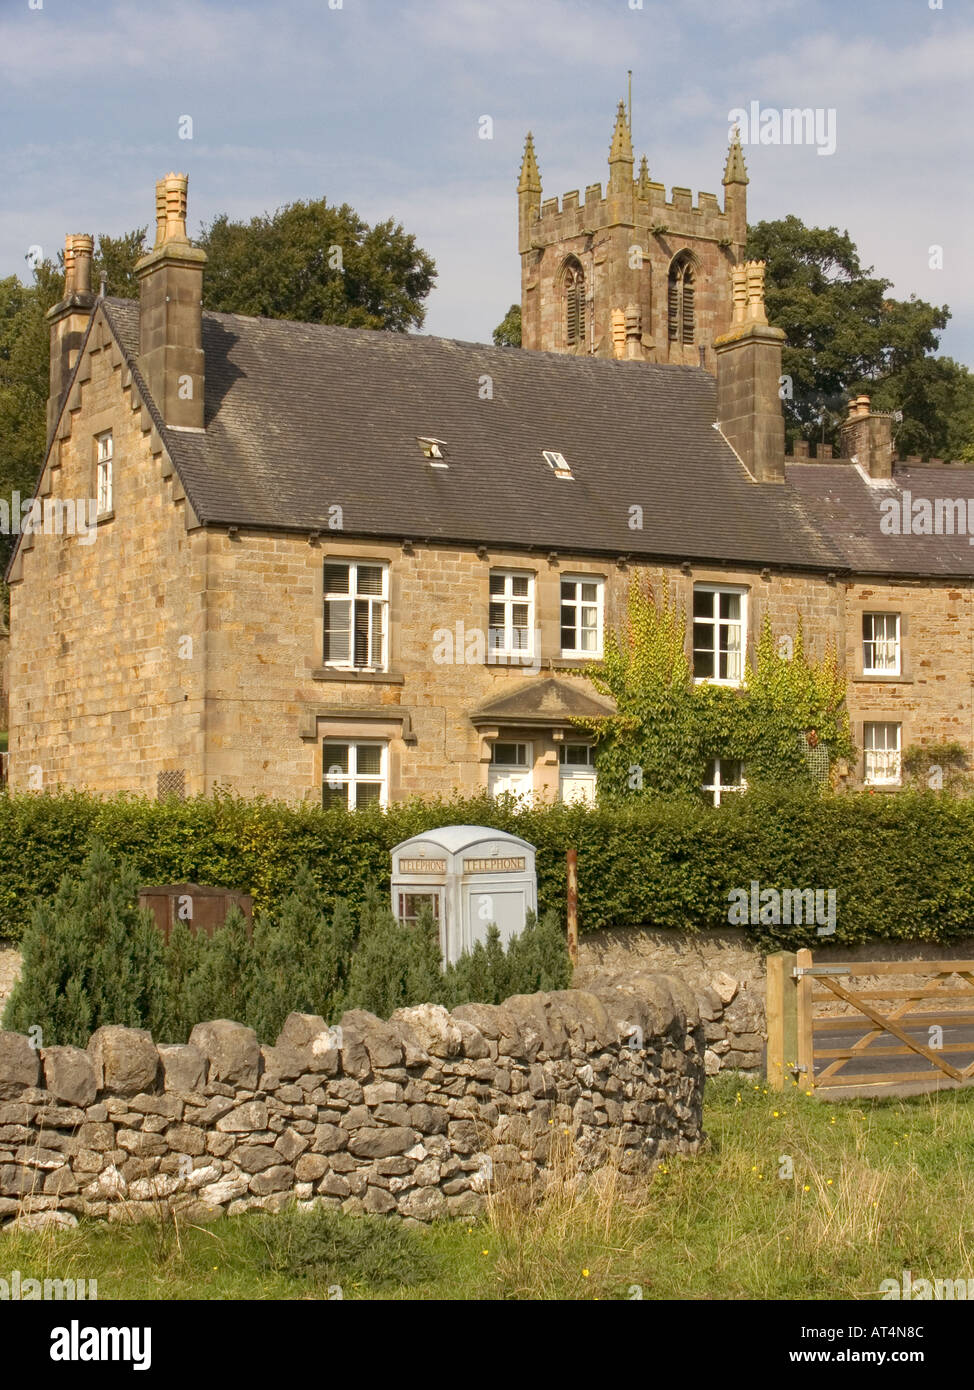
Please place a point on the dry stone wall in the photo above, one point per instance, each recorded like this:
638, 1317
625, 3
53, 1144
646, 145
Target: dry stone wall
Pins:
420, 1116
723, 970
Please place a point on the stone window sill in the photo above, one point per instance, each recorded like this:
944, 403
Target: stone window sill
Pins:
572, 663
861, 679
105, 516
350, 677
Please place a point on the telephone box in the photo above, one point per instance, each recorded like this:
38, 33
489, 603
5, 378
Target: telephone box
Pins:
470, 876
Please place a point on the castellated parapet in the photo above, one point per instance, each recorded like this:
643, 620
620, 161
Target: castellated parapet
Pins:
628, 248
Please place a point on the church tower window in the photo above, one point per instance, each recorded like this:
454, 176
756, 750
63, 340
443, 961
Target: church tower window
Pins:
574, 281
682, 323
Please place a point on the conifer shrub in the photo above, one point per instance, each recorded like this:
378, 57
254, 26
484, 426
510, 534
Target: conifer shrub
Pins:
92, 957
393, 965
303, 953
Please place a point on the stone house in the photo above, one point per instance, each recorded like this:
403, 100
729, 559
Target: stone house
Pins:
317, 562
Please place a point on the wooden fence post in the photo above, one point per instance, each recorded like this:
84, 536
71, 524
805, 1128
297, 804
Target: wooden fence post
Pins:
803, 1007
572, 862
782, 1017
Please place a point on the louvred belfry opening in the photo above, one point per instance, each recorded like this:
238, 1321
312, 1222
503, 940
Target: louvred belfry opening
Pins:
682, 317
574, 304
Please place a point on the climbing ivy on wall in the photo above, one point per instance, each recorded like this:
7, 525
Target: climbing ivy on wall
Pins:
667, 727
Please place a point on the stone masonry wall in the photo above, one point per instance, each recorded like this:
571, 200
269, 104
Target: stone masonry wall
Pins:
727, 975
419, 1116
106, 659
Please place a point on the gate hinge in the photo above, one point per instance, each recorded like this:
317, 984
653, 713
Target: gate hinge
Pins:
799, 970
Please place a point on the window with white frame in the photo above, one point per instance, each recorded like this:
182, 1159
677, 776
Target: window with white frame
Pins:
354, 774
719, 634
356, 604
511, 766
724, 775
881, 644
581, 616
510, 613
103, 472
882, 753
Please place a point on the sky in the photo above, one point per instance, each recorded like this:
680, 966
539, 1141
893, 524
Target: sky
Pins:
381, 104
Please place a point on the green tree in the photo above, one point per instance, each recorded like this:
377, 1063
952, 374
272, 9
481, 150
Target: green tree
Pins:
115, 259
303, 956
508, 331
177, 1014
24, 375
316, 263
847, 336
394, 964
90, 956
535, 959
936, 398
225, 980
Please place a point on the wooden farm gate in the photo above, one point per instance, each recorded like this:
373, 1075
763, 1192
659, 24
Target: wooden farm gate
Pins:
826, 1032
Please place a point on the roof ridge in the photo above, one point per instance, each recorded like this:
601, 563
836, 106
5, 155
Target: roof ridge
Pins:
389, 334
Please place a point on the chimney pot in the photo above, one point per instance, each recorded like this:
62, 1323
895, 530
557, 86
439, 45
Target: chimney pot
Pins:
176, 187
618, 333
160, 212
69, 318
68, 266
83, 247
739, 289
755, 292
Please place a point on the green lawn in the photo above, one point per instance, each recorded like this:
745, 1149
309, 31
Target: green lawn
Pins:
878, 1187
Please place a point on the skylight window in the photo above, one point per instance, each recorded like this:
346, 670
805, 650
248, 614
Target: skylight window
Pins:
433, 449
557, 463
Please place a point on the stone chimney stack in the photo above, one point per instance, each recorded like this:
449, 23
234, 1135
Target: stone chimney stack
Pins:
866, 437
171, 317
749, 409
69, 319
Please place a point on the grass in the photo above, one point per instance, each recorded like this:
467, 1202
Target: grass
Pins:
878, 1186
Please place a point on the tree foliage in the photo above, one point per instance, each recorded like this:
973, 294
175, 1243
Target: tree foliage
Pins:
508, 331
317, 264
90, 956
847, 336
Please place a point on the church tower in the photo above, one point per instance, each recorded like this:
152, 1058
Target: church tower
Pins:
629, 273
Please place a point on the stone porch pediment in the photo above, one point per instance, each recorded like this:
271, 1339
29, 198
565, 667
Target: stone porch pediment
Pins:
549, 703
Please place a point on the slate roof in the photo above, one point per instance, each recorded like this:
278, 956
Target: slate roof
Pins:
303, 417
848, 508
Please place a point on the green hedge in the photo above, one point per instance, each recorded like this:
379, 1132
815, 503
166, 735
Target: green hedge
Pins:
902, 865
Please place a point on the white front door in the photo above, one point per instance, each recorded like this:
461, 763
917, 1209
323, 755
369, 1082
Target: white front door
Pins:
577, 784
511, 769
